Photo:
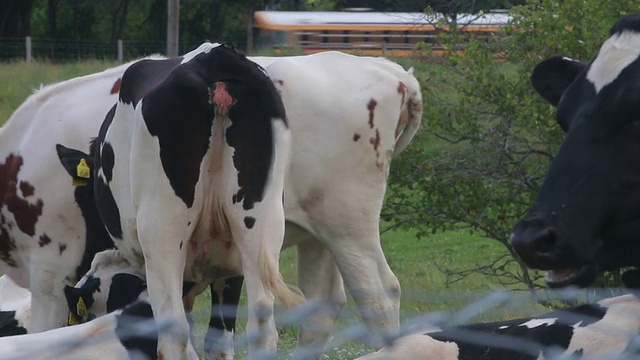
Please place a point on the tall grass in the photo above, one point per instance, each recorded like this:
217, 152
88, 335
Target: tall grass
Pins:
418, 263
20, 79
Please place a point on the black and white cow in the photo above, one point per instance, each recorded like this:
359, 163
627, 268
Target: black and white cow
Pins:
592, 331
189, 176
125, 334
359, 113
586, 216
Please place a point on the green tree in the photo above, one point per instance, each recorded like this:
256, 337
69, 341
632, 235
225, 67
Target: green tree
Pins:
488, 138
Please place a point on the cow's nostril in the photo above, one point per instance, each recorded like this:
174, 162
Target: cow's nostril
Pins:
545, 242
535, 242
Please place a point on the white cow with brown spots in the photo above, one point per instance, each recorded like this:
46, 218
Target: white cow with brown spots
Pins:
43, 233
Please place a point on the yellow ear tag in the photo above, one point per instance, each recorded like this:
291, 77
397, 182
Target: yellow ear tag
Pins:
81, 308
72, 320
79, 182
82, 170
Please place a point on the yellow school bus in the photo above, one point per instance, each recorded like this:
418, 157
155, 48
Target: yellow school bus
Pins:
365, 33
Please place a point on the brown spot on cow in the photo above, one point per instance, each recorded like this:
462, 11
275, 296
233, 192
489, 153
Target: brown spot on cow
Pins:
62, 248
25, 214
404, 110
375, 141
116, 86
402, 122
402, 89
7, 246
26, 189
371, 106
44, 240
356, 137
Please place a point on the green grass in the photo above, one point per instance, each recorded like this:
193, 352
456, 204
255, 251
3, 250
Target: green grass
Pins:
418, 263
20, 79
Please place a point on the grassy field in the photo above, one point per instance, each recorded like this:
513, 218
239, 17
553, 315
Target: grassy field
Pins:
418, 263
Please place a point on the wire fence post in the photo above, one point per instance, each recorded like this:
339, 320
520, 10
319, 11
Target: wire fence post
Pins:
173, 27
27, 45
120, 51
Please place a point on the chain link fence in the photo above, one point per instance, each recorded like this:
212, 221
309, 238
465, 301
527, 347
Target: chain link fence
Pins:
353, 340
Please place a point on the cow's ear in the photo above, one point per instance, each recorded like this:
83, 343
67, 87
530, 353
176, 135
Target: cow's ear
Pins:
78, 164
551, 77
72, 295
125, 289
7, 318
79, 300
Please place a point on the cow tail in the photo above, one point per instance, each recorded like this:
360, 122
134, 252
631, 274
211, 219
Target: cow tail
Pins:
410, 114
274, 283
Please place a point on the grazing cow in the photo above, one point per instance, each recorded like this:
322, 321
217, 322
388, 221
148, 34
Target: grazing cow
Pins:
189, 177
129, 333
15, 308
585, 218
43, 233
592, 331
110, 284
375, 114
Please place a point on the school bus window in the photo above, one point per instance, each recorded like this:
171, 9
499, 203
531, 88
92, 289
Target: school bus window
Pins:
304, 38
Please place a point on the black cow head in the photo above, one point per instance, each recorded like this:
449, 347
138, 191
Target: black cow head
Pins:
80, 300
89, 300
586, 217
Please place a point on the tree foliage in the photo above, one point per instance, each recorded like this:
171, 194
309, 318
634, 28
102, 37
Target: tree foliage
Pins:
216, 20
488, 139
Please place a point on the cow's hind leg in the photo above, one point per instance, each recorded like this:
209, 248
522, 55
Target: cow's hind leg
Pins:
225, 296
322, 286
165, 255
360, 258
260, 254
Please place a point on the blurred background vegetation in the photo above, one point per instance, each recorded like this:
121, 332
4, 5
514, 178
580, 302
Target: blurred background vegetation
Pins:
215, 20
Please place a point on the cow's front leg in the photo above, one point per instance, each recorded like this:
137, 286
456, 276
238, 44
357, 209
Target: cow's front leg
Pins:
49, 308
164, 246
